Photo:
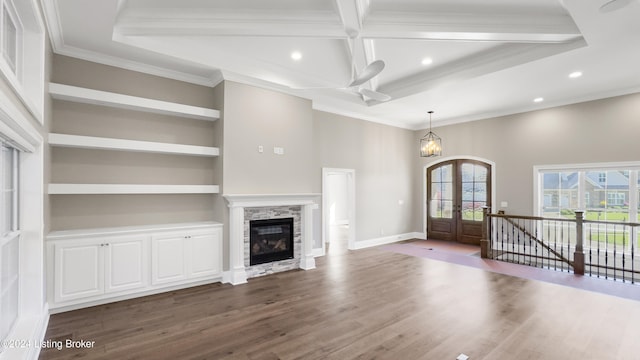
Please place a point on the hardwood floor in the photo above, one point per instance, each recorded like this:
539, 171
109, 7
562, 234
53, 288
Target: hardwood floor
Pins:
361, 304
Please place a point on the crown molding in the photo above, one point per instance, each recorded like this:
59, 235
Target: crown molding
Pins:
56, 35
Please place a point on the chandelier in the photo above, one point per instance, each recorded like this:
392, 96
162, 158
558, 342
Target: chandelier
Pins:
430, 144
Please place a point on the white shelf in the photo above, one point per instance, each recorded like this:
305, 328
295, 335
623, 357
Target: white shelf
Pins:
94, 189
129, 230
91, 142
104, 98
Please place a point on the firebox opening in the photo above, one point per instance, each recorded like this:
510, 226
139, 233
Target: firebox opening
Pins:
270, 240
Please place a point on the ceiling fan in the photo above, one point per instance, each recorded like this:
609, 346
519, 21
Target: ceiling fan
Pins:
613, 5
369, 72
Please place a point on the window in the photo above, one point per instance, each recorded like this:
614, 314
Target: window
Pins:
604, 193
10, 38
560, 193
616, 199
9, 240
22, 44
602, 177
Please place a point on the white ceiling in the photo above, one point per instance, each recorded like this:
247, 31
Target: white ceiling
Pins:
489, 58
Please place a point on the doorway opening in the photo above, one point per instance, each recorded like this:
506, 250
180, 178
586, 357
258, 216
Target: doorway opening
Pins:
456, 192
338, 210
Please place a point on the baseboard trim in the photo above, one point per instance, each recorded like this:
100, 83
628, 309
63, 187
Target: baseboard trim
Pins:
317, 252
30, 331
386, 240
40, 332
81, 303
420, 235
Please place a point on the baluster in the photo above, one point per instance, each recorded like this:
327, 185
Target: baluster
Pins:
590, 250
532, 259
549, 258
606, 251
598, 237
634, 238
513, 243
561, 247
519, 232
624, 245
502, 237
535, 244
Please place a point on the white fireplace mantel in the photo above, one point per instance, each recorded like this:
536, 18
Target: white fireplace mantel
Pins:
238, 202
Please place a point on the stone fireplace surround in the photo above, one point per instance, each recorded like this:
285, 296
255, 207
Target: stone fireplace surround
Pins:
246, 207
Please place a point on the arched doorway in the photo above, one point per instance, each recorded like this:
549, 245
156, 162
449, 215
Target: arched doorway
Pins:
457, 190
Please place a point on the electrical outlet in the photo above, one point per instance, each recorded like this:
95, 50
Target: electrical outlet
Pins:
260, 149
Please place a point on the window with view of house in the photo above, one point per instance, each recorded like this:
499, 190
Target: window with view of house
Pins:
603, 193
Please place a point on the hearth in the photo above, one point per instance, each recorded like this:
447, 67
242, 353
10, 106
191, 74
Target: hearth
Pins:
270, 240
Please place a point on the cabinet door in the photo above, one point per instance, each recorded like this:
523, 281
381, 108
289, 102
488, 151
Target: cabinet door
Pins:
125, 264
79, 270
205, 252
167, 259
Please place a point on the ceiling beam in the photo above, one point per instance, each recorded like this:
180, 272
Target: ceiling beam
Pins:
463, 26
491, 60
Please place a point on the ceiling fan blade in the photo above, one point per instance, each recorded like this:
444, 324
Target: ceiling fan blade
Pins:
368, 73
614, 5
378, 96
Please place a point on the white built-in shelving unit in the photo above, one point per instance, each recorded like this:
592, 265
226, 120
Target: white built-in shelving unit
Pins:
87, 267
120, 101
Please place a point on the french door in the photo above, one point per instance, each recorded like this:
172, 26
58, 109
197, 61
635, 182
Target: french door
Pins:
456, 192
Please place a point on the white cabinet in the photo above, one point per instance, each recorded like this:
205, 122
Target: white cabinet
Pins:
185, 256
86, 268
94, 266
126, 263
202, 254
168, 259
79, 270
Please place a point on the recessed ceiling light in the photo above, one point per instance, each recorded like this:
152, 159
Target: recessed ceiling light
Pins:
427, 61
296, 55
575, 74
538, 99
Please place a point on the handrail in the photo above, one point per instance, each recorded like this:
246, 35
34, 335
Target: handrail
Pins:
525, 217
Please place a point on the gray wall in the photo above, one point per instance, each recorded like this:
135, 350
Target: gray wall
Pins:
382, 157
591, 132
258, 117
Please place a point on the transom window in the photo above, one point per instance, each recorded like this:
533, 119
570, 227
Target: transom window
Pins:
11, 36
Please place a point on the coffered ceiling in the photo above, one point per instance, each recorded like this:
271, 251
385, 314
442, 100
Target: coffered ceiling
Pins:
464, 59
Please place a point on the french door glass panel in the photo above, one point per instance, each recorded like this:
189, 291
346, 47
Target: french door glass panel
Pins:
474, 191
442, 192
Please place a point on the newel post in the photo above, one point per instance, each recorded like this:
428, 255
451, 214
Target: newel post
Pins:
485, 242
578, 255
